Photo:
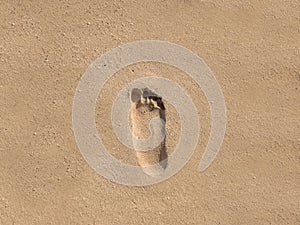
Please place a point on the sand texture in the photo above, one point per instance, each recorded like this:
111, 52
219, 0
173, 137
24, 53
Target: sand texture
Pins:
253, 48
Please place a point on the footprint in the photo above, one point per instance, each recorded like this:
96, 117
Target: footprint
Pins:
148, 123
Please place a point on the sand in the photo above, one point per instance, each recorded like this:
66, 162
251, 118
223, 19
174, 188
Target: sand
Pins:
251, 46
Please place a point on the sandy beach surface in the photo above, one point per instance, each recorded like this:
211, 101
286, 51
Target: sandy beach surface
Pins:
253, 48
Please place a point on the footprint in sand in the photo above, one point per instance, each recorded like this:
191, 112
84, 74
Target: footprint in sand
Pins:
148, 123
